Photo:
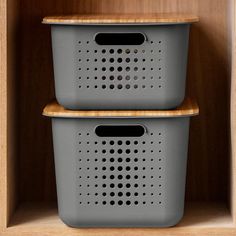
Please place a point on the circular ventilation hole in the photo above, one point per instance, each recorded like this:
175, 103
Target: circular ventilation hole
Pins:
119, 51
112, 176
112, 86
135, 59
119, 68
119, 77
127, 151
119, 60
127, 51
120, 177
127, 77
112, 77
120, 185
127, 60
128, 185
111, 51
127, 86
112, 151
112, 60
103, 50
128, 177
119, 142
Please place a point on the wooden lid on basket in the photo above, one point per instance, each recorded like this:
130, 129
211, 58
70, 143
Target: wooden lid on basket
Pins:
157, 18
188, 108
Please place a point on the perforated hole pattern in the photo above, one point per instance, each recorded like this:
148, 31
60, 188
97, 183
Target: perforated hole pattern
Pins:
119, 68
120, 171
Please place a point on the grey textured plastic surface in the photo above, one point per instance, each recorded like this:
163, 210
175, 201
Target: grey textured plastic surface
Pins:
147, 76
120, 182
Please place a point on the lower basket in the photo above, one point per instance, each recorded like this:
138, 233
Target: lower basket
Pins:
120, 171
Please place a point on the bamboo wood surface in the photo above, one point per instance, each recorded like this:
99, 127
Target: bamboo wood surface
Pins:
121, 19
3, 121
188, 108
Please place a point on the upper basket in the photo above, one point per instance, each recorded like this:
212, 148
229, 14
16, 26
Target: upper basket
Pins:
120, 61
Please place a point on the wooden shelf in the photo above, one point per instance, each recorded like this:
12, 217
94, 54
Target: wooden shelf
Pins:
121, 19
188, 108
200, 218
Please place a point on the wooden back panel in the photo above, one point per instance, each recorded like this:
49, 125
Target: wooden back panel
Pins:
208, 80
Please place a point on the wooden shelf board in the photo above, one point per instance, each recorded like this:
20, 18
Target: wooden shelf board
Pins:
168, 18
203, 218
188, 108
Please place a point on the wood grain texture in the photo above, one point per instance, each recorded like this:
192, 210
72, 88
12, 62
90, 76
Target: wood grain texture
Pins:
3, 119
200, 219
8, 131
121, 18
188, 108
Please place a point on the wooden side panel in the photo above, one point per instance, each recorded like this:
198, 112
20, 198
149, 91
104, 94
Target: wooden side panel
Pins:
233, 117
3, 118
12, 81
8, 104
208, 80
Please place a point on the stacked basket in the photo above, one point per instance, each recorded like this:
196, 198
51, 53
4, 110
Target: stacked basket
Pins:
114, 167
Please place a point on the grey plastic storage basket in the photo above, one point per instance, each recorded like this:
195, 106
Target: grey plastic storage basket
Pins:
120, 66
120, 171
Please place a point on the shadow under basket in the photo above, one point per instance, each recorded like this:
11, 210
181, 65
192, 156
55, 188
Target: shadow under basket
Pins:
120, 65
120, 168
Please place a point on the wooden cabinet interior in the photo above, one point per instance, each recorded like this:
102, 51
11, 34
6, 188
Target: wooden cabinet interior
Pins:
26, 85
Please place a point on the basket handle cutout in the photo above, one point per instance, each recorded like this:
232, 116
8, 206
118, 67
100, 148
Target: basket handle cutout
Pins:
120, 38
120, 130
